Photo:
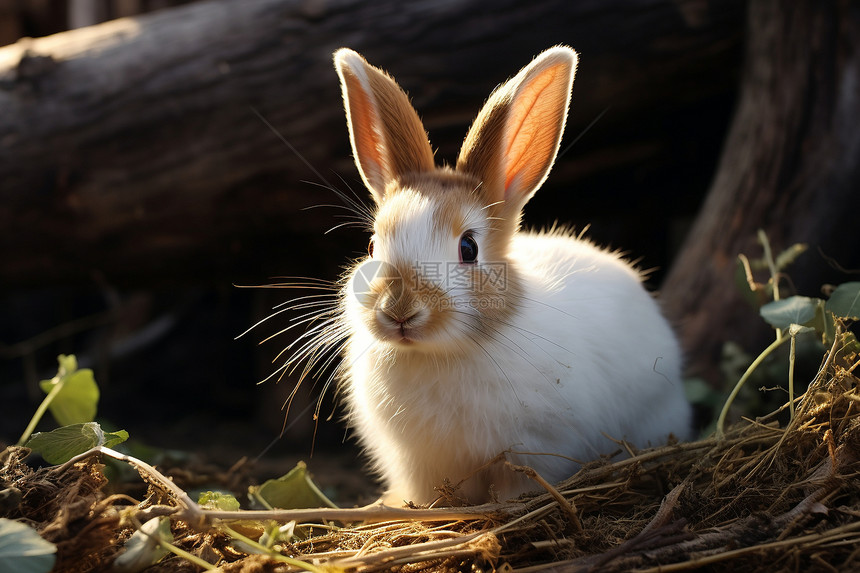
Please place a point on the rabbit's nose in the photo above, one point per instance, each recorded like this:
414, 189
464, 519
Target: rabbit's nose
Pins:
398, 307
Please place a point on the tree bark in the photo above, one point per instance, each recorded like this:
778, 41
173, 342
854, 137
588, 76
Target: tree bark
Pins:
790, 166
131, 150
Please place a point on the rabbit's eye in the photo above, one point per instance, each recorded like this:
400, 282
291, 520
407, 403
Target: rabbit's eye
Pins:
468, 249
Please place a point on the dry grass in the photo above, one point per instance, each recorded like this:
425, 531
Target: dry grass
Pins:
764, 496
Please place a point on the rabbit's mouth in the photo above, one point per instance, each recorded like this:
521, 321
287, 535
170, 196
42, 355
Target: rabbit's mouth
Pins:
426, 333
405, 333
397, 330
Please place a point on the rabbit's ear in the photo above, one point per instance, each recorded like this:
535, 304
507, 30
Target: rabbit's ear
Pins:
388, 139
512, 144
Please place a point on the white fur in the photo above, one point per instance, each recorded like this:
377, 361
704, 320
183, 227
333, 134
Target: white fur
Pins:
577, 351
588, 354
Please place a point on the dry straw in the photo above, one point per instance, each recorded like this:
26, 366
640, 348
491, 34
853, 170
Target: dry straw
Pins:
771, 494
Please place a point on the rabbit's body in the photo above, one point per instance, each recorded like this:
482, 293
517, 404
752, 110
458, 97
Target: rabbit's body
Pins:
468, 338
428, 417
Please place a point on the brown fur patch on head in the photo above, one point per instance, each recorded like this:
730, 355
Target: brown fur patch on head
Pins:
492, 286
452, 194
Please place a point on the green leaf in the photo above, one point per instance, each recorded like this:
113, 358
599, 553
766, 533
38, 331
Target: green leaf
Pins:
115, 438
144, 549
822, 322
62, 444
218, 500
793, 310
77, 400
295, 490
22, 550
844, 302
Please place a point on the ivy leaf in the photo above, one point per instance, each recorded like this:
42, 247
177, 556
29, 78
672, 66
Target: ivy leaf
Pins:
22, 550
844, 302
114, 438
295, 490
793, 310
78, 398
60, 445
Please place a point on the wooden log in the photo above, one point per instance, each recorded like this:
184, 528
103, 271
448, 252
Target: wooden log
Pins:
131, 151
790, 166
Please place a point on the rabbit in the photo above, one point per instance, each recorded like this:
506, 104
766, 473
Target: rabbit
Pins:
466, 336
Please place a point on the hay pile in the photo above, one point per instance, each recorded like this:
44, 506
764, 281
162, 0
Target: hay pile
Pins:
766, 496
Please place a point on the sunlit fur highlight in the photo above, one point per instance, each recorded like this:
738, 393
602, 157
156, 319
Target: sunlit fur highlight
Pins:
384, 149
438, 378
505, 139
421, 218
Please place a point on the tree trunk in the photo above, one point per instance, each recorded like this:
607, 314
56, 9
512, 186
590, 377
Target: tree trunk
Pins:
790, 166
131, 150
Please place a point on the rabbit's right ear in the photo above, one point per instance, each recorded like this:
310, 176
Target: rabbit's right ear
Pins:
513, 142
388, 139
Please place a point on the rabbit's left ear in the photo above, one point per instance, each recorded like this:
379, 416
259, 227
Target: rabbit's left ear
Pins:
513, 142
388, 139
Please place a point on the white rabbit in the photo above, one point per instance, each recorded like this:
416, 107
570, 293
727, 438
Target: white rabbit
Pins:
467, 337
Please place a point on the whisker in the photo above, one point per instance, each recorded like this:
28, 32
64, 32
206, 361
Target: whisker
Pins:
530, 333
583, 132
325, 388
284, 429
582, 435
311, 357
306, 320
344, 225
318, 345
311, 336
307, 283
522, 353
272, 375
329, 299
485, 207
487, 352
331, 206
547, 305
352, 203
290, 145
261, 321
306, 286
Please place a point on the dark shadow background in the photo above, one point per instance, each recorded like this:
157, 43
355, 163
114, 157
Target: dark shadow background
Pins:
164, 350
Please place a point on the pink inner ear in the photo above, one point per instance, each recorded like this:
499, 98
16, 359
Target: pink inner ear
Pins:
532, 131
387, 136
366, 139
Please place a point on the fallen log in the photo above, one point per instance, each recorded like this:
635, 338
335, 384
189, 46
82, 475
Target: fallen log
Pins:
131, 154
790, 166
